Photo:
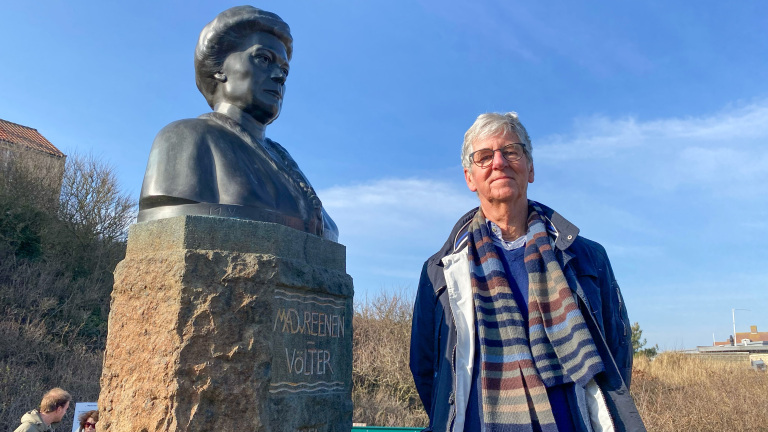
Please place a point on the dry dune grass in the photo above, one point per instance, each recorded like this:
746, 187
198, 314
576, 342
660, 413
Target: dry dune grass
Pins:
383, 390
680, 392
674, 392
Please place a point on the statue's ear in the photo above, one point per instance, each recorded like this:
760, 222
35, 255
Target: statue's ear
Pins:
220, 77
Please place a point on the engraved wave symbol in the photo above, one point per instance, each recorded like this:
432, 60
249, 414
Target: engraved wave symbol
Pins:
306, 387
322, 301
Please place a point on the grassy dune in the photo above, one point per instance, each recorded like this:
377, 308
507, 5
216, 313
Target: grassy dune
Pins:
674, 392
679, 392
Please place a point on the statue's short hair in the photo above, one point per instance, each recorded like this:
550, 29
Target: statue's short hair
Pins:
220, 36
493, 124
54, 399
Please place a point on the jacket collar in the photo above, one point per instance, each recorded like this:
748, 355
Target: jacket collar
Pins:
560, 228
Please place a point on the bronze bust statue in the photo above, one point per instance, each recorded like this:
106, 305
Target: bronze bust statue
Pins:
221, 163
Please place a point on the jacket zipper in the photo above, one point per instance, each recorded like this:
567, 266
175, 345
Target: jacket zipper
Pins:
452, 417
621, 306
600, 391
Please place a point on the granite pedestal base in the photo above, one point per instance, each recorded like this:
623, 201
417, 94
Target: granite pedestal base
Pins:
221, 324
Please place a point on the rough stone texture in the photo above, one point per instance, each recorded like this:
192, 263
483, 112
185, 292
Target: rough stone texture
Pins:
225, 324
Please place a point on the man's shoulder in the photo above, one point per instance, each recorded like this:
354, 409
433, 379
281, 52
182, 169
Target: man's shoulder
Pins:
457, 239
584, 245
591, 257
33, 427
32, 422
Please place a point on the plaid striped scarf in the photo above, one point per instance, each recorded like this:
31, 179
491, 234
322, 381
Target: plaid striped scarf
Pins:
520, 360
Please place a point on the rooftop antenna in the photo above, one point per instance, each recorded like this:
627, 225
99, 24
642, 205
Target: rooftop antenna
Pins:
733, 315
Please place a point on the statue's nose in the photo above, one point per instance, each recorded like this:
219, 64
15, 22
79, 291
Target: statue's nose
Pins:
278, 75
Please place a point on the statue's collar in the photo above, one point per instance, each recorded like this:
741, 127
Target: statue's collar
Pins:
256, 129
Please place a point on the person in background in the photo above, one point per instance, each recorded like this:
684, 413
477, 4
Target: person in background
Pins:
53, 407
88, 421
518, 323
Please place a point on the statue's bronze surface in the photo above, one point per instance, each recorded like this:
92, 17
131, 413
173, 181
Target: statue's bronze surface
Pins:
221, 163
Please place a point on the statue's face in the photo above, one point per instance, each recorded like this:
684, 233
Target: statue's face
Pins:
254, 77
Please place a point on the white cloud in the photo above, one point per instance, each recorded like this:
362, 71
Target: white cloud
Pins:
724, 154
600, 136
386, 207
727, 164
390, 226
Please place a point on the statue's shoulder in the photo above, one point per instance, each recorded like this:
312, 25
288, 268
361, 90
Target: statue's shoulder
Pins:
189, 132
277, 146
280, 150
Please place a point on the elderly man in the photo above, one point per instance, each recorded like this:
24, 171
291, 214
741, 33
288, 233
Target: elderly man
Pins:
519, 324
53, 407
222, 164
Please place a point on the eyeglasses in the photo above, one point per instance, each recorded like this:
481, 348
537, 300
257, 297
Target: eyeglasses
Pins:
90, 425
511, 152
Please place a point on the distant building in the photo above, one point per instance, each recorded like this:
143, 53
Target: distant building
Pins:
754, 354
29, 163
752, 336
728, 342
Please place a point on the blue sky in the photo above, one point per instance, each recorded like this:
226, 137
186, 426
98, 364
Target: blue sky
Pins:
649, 122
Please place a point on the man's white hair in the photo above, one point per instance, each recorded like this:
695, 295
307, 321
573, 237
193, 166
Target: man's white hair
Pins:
494, 124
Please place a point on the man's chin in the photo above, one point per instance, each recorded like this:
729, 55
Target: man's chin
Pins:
505, 195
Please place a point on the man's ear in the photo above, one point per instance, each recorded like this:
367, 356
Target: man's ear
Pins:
530, 173
220, 77
468, 178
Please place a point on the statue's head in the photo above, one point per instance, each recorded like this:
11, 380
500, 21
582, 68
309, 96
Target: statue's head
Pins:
242, 59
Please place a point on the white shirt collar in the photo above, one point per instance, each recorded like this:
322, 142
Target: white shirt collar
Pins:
498, 240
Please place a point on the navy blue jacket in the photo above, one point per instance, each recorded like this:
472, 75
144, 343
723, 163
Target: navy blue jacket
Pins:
585, 265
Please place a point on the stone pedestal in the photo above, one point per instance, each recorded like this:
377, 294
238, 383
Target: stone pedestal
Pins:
221, 324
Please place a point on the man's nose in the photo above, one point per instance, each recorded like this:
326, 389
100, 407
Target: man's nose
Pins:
498, 160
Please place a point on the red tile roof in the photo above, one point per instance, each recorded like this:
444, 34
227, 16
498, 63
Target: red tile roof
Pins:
753, 336
26, 136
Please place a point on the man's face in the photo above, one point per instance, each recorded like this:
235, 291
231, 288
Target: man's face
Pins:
502, 181
254, 77
60, 413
